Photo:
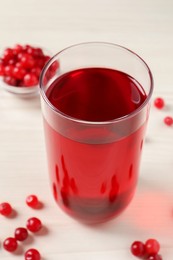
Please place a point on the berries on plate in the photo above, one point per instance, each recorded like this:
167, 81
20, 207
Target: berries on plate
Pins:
33, 224
21, 65
32, 254
5, 209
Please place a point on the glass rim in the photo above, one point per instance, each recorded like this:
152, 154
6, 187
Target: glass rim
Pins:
119, 119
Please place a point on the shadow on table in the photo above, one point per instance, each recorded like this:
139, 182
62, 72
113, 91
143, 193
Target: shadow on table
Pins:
150, 212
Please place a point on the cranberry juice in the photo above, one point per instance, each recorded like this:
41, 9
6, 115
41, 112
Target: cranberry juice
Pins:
93, 166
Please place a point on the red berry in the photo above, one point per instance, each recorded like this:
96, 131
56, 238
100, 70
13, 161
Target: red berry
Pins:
19, 73
54, 66
32, 254
159, 103
30, 80
11, 62
27, 61
21, 234
168, 120
34, 224
10, 244
8, 54
138, 248
154, 257
32, 201
152, 246
38, 52
5, 209
17, 49
8, 70
10, 81
36, 71
30, 50
40, 62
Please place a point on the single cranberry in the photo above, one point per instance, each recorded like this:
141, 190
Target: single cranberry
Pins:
159, 103
8, 54
154, 257
12, 62
32, 201
17, 49
30, 80
152, 246
21, 234
40, 62
38, 52
36, 71
30, 50
18, 65
46, 58
168, 120
27, 61
33, 224
32, 254
10, 244
54, 66
138, 248
5, 209
9, 70
10, 81
19, 73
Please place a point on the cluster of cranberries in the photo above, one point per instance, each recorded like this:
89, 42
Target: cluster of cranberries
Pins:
148, 251
159, 103
22, 65
21, 233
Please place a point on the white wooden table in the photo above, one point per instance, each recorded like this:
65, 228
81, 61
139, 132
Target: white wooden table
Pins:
145, 27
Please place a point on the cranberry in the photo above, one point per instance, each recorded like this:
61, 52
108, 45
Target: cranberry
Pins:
8, 54
138, 248
27, 61
19, 73
12, 62
34, 224
152, 246
40, 62
5, 209
168, 120
8, 70
10, 244
32, 201
159, 103
154, 257
21, 234
10, 81
54, 66
30, 80
36, 71
17, 49
32, 254
38, 52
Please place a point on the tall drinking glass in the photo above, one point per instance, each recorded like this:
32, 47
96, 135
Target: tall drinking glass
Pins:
95, 102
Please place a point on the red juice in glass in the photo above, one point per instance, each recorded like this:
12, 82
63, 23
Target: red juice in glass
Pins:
94, 146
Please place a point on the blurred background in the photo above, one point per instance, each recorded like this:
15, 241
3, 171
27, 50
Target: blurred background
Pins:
143, 26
